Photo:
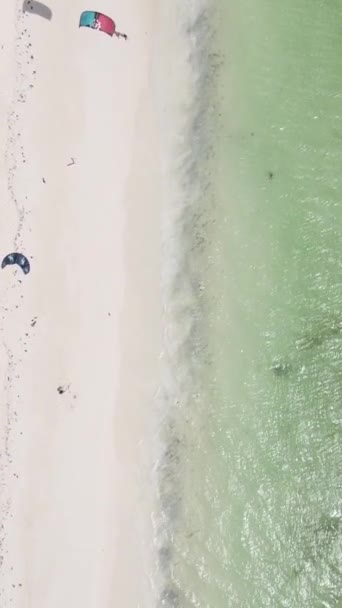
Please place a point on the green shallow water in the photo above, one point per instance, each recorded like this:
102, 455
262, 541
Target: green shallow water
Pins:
262, 510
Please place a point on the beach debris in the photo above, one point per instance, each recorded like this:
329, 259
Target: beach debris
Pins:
17, 258
34, 321
99, 21
37, 8
72, 162
43, 180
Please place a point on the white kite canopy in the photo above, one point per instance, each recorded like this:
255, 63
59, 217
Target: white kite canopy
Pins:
37, 8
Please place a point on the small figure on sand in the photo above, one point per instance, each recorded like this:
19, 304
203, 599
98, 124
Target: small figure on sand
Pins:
62, 389
120, 35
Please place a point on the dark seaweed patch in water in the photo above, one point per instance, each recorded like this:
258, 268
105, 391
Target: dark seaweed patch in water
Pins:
320, 343
165, 556
170, 501
171, 454
331, 524
170, 597
281, 369
310, 341
318, 540
321, 331
168, 472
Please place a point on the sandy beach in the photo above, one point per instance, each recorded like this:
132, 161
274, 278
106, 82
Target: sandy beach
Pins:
80, 335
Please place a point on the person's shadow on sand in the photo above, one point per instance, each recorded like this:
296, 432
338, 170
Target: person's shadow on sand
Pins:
37, 8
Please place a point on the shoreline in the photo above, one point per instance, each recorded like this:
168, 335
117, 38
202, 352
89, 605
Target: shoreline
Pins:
184, 38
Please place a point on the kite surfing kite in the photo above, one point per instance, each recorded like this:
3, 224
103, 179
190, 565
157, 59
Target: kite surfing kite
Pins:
17, 258
98, 21
37, 8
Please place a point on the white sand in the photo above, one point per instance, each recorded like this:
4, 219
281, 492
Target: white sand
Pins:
74, 492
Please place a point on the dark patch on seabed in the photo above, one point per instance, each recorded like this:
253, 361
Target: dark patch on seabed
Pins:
319, 339
184, 366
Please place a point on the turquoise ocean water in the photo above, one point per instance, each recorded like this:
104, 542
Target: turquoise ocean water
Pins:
251, 480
